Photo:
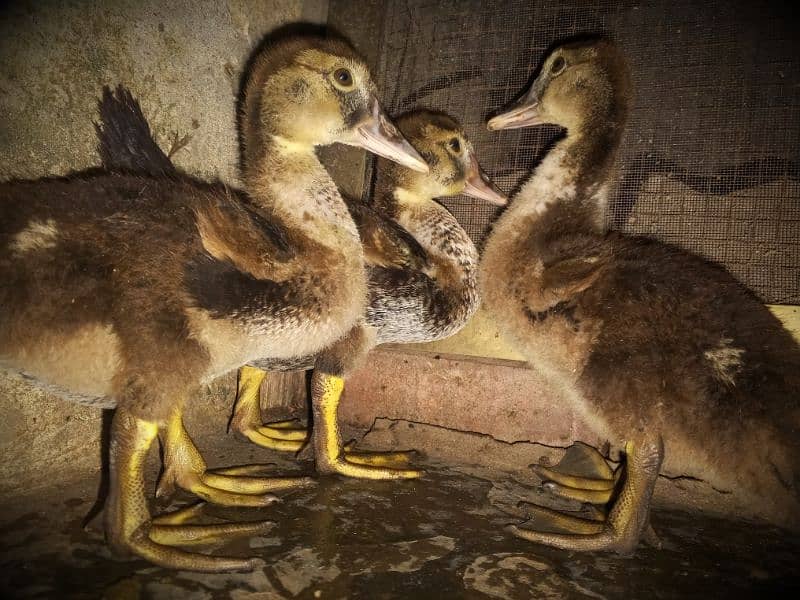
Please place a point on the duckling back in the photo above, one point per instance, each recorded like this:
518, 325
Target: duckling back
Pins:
433, 303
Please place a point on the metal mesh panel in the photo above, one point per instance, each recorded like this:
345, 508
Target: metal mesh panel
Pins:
710, 157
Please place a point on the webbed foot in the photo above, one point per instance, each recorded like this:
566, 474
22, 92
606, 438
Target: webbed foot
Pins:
582, 474
330, 455
172, 528
378, 458
627, 520
282, 435
184, 467
129, 527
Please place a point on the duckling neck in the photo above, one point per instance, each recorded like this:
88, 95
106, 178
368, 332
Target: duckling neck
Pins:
575, 174
290, 179
437, 231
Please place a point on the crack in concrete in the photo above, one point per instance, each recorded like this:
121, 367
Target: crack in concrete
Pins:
393, 422
456, 430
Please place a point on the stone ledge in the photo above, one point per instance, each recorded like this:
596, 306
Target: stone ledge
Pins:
505, 399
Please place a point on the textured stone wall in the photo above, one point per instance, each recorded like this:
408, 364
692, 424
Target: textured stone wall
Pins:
182, 59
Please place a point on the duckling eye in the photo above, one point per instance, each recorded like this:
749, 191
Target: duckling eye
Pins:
454, 145
343, 78
558, 65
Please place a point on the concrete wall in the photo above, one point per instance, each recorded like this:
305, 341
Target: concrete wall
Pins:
183, 60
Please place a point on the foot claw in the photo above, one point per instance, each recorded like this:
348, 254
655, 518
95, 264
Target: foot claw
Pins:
225, 498
186, 468
330, 453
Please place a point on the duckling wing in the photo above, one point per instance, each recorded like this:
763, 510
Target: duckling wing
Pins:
124, 140
386, 244
571, 275
569, 265
242, 235
247, 268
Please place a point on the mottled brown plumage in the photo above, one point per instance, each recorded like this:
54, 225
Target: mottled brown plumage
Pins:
648, 341
135, 290
419, 290
419, 305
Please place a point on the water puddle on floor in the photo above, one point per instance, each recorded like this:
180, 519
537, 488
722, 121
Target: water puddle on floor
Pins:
439, 537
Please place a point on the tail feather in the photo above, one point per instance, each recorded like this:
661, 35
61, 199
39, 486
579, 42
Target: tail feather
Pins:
125, 142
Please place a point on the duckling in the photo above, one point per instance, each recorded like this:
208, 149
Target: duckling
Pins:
421, 265
413, 296
660, 349
131, 291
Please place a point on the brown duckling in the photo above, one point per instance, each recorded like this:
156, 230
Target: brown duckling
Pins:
422, 289
661, 350
421, 265
132, 291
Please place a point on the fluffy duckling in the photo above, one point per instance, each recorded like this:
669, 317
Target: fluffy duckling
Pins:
422, 289
421, 265
132, 291
661, 350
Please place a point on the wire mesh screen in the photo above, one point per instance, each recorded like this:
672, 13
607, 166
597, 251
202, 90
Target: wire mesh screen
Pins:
710, 157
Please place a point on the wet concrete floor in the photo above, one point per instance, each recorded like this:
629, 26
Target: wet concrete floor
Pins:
439, 537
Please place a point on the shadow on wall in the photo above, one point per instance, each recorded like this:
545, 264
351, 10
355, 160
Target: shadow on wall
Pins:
727, 181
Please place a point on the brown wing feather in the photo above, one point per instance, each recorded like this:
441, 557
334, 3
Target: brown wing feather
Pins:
386, 244
241, 235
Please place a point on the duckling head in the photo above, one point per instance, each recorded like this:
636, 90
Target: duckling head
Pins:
454, 167
304, 92
581, 85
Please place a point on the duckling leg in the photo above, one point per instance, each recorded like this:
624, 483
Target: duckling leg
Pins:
129, 527
286, 435
247, 416
326, 392
629, 516
184, 466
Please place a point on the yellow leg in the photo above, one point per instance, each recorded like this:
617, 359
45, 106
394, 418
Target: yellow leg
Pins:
184, 466
129, 527
628, 518
326, 392
247, 416
287, 435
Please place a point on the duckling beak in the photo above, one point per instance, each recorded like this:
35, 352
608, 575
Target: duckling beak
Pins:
478, 184
377, 134
524, 113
